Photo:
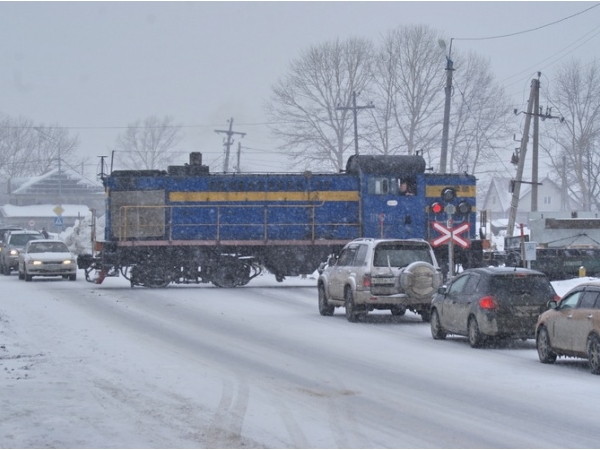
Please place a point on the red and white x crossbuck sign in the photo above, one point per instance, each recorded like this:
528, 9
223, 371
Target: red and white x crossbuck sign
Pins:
448, 233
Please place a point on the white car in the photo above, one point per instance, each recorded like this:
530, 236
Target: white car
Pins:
47, 258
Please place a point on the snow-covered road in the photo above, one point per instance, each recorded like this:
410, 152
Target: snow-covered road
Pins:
194, 366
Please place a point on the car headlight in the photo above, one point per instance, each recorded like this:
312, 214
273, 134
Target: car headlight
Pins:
67, 261
14, 252
36, 263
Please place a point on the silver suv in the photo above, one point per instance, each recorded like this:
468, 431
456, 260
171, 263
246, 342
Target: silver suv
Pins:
394, 274
14, 242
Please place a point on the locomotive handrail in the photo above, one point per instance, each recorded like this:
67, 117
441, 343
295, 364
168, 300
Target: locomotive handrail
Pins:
130, 227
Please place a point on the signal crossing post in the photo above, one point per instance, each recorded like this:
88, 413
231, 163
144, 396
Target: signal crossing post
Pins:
450, 210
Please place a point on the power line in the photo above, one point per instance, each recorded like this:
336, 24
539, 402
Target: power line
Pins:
529, 30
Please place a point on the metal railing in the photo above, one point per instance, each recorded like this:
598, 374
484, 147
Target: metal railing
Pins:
157, 222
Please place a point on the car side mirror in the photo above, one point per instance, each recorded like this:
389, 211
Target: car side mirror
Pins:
332, 260
552, 304
443, 290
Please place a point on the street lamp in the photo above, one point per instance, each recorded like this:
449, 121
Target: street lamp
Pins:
448, 90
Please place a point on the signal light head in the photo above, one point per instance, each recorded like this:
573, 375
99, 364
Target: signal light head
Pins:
448, 194
464, 208
437, 208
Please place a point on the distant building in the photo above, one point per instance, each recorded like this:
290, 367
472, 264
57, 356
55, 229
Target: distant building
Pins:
36, 217
551, 198
53, 200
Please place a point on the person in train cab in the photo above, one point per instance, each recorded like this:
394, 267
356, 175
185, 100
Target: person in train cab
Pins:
404, 190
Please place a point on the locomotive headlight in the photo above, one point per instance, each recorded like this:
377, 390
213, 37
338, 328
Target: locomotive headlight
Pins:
464, 208
448, 194
436, 208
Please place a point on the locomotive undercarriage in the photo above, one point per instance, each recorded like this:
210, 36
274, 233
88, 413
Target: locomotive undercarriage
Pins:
227, 267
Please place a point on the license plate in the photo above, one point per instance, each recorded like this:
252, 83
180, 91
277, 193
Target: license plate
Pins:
387, 280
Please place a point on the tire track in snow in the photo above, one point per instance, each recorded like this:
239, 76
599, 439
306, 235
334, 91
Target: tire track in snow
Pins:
225, 430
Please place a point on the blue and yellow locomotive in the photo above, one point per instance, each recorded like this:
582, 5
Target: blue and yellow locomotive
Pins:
188, 225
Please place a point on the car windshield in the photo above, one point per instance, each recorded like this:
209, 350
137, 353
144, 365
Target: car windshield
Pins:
400, 255
522, 288
48, 247
20, 240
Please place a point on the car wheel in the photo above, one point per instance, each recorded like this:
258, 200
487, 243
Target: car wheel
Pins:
544, 349
398, 310
28, 277
475, 336
351, 314
437, 332
593, 351
73, 277
425, 315
325, 309
21, 275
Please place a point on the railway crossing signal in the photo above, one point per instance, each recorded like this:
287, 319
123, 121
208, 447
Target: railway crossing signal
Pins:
448, 233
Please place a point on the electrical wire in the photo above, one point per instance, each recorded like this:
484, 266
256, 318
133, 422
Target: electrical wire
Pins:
529, 30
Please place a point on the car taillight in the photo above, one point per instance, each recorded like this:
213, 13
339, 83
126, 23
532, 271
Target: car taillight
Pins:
367, 280
488, 303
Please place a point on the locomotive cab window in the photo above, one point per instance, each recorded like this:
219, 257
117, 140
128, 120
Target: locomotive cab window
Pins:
406, 186
379, 186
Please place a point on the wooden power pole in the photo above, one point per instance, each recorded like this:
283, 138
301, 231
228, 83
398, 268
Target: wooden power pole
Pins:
355, 109
228, 142
514, 204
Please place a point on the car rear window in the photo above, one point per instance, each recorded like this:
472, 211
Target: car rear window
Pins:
522, 288
22, 239
48, 247
400, 255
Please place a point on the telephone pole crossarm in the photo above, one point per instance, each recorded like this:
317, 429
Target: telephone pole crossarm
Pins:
354, 110
229, 142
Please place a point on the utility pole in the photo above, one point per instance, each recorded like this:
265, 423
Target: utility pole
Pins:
58, 146
535, 148
239, 154
355, 109
517, 186
228, 142
446, 125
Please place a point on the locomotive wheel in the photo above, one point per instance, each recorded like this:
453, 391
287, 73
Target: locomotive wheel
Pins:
224, 277
231, 272
151, 277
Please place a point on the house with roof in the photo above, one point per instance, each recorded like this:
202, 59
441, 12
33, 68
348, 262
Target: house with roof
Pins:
54, 200
551, 198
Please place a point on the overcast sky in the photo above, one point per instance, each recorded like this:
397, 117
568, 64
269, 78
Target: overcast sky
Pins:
95, 67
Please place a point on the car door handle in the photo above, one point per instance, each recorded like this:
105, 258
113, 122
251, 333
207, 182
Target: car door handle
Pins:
570, 316
591, 316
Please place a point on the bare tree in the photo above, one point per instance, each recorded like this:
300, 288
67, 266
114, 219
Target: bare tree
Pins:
416, 85
479, 116
29, 150
16, 147
148, 144
575, 147
51, 143
304, 104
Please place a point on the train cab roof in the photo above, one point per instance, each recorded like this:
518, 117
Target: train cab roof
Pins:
385, 164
